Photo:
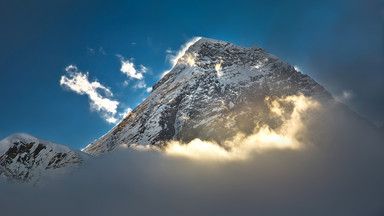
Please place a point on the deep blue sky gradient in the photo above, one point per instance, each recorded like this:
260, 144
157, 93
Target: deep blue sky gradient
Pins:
338, 43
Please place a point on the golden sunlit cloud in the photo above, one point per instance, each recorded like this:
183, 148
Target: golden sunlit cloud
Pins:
263, 138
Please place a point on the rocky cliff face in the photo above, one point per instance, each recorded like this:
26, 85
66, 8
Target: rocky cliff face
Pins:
215, 90
26, 158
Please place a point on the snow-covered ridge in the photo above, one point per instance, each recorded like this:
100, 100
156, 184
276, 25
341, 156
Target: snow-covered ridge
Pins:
27, 158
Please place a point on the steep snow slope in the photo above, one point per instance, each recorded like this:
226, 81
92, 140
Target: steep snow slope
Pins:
215, 90
24, 157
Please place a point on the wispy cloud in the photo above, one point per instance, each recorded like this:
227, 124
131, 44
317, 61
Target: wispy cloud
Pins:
125, 113
140, 85
92, 51
143, 69
173, 56
125, 83
102, 51
345, 96
99, 95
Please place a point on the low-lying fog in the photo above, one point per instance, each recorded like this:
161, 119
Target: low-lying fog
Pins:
331, 163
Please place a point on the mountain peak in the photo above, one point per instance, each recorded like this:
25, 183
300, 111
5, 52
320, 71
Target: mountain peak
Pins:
219, 45
223, 60
24, 157
204, 40
8, 141
21, 136
215, 90
204, 45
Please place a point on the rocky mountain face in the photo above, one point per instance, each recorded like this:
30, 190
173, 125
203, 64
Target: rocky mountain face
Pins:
215, 90
26, 158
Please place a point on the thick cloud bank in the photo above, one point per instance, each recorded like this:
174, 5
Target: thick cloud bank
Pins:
340, 173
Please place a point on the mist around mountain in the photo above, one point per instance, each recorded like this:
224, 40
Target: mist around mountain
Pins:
340, 173
307, 154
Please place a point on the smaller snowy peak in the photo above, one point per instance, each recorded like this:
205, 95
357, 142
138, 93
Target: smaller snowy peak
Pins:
26, 158
6, 143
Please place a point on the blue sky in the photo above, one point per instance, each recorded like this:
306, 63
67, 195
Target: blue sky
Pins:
338, 43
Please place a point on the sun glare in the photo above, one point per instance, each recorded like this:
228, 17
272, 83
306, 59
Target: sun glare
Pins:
218, 68
189, 59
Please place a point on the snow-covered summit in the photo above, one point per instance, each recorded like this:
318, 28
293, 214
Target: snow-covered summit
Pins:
7, 142
24, 157
215, 89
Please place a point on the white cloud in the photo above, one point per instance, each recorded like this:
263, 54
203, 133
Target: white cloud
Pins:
132, 71
129, 69
149, 89
111, 119
79, 82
